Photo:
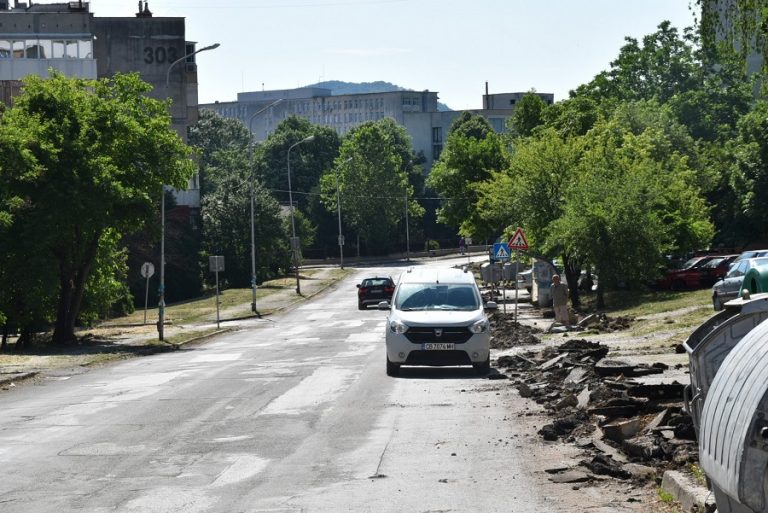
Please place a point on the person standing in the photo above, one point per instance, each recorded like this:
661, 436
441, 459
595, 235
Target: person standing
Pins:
560, 300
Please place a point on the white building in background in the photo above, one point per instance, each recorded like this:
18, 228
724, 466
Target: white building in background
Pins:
416, 111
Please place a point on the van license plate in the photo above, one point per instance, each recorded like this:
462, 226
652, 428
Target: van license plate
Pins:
438, 346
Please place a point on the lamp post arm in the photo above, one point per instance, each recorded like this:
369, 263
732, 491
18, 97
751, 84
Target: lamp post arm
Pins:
174, 63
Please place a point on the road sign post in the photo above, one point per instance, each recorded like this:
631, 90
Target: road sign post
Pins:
517, 243
216, 264
147, 270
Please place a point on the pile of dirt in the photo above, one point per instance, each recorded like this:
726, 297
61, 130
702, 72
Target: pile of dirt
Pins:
596, 404
605, 324
506, 332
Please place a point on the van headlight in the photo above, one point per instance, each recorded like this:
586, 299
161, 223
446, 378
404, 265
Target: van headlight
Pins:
480, 326
397, 327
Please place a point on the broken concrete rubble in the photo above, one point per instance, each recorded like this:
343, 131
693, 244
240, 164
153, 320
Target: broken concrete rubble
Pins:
596, 403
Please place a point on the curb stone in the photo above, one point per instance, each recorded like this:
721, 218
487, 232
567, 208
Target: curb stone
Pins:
17, 377
691, 496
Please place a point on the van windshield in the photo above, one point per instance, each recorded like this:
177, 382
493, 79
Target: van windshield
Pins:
436, 296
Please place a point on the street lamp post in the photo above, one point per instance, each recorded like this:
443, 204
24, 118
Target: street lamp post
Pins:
253, 203
338, 208
294, 240
407, 231
161, 288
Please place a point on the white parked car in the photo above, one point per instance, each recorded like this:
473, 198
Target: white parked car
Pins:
437, 318
525, 280
729, 287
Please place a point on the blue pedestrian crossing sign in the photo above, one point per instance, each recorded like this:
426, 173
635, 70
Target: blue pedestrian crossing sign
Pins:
500, 251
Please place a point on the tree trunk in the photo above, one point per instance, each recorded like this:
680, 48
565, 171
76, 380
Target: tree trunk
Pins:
600, 298
73, 276
572, 271
66, 286
4, 343
24, 340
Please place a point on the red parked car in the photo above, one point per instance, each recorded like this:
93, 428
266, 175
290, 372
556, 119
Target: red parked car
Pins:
687, 277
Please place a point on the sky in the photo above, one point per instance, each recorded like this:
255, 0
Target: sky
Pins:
450, 46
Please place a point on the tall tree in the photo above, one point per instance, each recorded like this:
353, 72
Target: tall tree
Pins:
662, 65
629, 205
528, 114
531, 194
373, 183
215, 136
472, 152
225, 149
309, 160
96, 155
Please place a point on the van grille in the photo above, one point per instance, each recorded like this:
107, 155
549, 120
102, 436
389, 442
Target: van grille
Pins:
421, 335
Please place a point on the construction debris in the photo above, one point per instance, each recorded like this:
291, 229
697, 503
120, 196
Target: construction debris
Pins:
597, 404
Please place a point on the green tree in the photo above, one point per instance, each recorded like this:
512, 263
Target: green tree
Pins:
528, 114
94, 155
629, 205
531, 194
572, 117
215, 137
662, 65
473, 151
227, 231
373, 183
309, 160
224, 146
749, 171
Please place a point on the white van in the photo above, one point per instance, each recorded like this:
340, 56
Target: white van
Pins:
437, 318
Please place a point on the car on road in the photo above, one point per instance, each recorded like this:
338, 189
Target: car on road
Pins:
373, 290
729, 287
437, 318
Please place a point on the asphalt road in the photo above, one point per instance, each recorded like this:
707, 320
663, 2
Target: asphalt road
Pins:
293, 414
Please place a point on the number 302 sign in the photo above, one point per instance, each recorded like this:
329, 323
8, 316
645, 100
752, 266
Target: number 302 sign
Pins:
160, 54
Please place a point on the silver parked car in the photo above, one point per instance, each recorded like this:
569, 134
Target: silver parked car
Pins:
728, 288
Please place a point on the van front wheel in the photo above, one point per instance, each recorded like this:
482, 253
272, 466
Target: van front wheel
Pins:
393, 369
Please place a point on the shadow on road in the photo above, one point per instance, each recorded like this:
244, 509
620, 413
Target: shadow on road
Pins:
444, 373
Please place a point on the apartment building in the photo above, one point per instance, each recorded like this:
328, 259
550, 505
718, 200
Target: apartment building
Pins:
67, 37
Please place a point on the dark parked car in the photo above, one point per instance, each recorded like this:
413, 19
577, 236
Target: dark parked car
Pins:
372, 291
687, 277
715, 270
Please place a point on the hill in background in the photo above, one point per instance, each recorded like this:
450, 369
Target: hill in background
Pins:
338, 87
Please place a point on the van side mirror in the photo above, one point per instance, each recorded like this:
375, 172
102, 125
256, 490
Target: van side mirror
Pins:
491, 305
384, 305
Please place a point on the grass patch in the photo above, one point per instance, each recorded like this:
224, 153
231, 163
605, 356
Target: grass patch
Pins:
638, 303
698, 474
665, 496
181, 338
236, 302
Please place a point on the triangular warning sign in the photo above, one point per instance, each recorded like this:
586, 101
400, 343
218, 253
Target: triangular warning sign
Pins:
518, 240
501, 253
